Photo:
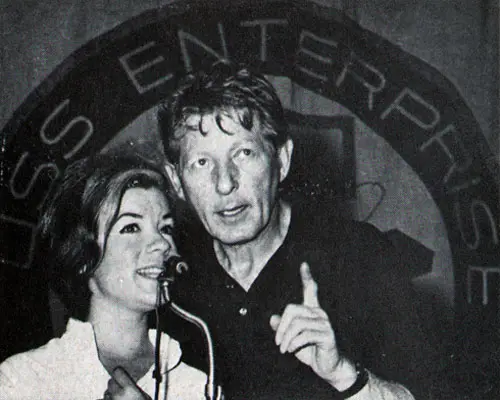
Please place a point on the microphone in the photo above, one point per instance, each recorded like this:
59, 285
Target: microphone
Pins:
174, 266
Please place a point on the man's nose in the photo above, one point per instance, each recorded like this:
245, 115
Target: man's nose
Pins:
226, 178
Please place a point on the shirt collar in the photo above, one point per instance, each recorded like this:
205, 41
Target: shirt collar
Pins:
83, 338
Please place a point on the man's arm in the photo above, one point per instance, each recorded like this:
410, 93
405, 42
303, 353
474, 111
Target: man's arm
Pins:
305, 330
378, 389
413, 354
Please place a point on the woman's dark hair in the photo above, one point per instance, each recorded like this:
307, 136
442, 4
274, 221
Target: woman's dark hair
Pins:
89, 189
224, 89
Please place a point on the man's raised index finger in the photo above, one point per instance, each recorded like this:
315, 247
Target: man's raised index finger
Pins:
309, 285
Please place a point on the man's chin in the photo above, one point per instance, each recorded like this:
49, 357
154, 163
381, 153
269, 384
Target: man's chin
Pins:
235, 239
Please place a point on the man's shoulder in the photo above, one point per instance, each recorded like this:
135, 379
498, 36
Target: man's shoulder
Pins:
357, 247
327, 225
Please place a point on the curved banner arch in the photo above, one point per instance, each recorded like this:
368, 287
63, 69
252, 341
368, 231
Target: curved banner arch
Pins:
113, 79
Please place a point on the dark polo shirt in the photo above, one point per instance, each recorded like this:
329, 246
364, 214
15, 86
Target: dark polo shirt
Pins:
361, 285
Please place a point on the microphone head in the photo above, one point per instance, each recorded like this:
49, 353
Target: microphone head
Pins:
174, 266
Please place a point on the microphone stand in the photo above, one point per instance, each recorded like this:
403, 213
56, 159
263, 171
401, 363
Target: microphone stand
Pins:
212, 391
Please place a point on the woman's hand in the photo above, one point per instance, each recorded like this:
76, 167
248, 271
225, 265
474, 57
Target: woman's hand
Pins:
122, 387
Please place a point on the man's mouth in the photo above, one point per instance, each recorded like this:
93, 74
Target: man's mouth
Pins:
232, 212
150, 272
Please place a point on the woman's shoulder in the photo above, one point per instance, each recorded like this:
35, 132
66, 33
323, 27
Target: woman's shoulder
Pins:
65, 367
50, 350
26, 373
52, 356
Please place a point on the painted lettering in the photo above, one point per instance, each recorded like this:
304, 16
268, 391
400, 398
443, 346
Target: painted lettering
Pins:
185, 37
460, 159
476, 207
263, 24
484, 272
80, 119
305, 55
465, 185
133, 73
51, 168
408, 100
366, 74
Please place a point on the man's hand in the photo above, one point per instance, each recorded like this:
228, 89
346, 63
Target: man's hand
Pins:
305, 330
122, 386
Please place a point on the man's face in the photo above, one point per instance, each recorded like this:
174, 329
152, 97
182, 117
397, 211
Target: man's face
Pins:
232, 179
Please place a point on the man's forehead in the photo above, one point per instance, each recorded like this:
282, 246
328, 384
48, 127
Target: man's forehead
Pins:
226, 119
208, 127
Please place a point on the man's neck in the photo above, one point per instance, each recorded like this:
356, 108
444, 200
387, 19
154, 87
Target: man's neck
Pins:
244, 262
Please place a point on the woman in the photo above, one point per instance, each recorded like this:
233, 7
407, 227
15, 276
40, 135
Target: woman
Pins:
104, 235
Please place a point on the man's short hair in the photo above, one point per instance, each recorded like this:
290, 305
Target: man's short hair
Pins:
225, 89
67, 237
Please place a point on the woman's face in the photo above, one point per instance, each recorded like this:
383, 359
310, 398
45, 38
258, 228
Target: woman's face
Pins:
139, 241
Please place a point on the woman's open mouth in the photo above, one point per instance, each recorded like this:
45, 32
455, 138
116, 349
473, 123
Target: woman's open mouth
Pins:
150, 272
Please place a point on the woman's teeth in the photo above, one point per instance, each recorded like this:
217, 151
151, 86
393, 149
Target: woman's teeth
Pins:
150, 272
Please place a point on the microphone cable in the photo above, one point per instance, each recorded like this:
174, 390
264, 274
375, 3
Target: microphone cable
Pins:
156, 372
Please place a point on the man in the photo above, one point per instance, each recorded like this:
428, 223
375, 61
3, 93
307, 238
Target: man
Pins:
296, 304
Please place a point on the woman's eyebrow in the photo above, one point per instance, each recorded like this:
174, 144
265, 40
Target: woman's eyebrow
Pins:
140, 216
130, 214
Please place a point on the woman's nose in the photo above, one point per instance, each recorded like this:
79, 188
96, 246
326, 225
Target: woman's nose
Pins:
162, 242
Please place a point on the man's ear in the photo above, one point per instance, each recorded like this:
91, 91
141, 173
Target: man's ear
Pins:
285, 158
173, 175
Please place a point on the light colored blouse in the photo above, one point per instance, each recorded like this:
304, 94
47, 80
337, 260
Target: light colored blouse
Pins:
69, 368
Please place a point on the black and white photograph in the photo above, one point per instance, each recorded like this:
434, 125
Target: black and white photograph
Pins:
250, 200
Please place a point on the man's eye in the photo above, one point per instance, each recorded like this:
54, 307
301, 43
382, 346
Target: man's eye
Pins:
167, 230
244, 153
130, 228
201, 162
